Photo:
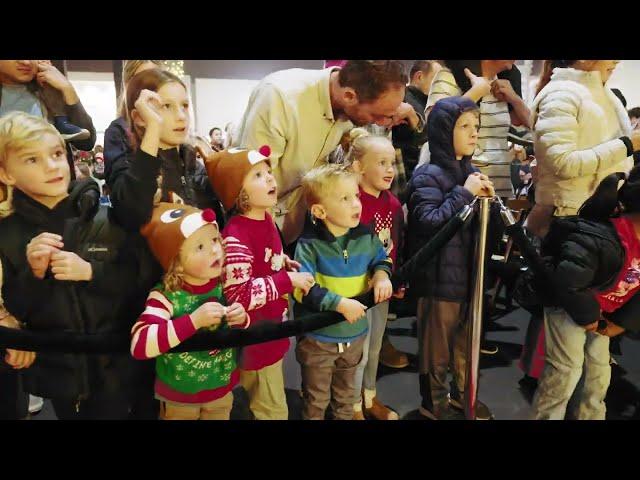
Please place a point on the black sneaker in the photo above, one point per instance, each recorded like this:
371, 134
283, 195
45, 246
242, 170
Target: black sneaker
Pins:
69, 131
482, 411
443, 413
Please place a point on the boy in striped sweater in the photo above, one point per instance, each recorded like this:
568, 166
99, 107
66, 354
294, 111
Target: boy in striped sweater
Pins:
190, 385
346, 259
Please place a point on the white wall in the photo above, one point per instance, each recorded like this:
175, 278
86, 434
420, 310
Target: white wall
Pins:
626, 77
219, 101
97, 92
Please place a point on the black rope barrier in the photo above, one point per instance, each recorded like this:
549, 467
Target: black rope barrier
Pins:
73, 342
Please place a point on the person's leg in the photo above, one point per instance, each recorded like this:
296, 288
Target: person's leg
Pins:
564, 358
373, 407
219, 409
14, 401
316, 365
357, 385
597, 376
170, 411
101, 406
56, 106
343, 393
442, 321
458, 361
265, 388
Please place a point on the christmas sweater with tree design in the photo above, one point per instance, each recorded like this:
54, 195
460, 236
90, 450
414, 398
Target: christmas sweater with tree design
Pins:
183, 377
256, 277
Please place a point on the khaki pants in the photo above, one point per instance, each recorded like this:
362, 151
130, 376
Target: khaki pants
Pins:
328, 376
219, 409
442, 338
265, 388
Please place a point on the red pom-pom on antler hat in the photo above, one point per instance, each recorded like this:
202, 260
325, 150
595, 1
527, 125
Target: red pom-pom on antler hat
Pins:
209, 215
265, 150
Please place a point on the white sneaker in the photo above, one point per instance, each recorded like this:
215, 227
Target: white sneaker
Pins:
35, 404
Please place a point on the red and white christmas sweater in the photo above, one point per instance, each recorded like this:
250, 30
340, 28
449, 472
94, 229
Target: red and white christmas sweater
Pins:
255, 276
385, 218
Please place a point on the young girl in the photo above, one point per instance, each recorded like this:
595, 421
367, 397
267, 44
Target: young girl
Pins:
158, 113
189, 385
257, 273
436, 192
596, 259
373, 157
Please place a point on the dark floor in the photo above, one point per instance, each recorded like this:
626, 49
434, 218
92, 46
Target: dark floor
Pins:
499, 377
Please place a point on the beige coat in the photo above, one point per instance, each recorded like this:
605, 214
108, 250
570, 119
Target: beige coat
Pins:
290, 111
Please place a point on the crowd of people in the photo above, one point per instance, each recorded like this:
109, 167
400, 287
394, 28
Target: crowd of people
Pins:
331, 180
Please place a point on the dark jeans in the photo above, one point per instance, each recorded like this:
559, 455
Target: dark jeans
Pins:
101, 406
14, 402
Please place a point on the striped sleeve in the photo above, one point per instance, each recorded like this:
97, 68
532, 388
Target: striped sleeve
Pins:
241, 286
444, 85
318, 298
156, 332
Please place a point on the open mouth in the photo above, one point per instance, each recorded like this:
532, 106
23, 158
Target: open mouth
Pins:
180, 130
355, 216
273, 191
215, 264
55, 180
388, 179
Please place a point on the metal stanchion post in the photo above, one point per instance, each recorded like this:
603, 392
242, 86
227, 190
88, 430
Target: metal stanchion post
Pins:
474, 326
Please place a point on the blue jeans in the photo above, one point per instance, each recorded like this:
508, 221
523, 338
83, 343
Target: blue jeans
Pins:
569, 350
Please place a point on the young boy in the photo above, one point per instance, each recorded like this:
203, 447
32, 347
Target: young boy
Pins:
436, 192
67, 267
345, 258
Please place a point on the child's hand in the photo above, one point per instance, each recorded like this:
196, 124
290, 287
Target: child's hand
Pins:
208, 314
17, 359
69, 266
291, 265
474, 184
39, 251
236, 314
382, 288
148, 106
488, 189
351, 309
302, 280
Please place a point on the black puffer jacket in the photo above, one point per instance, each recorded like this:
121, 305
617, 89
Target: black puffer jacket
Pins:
133, 184
585, 257
435, 195
123, 273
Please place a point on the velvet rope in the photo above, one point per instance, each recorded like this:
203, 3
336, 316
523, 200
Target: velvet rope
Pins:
71, 342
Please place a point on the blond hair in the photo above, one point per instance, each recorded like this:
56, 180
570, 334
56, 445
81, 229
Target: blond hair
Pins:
17, 131
129, 68
320, 181
360, 142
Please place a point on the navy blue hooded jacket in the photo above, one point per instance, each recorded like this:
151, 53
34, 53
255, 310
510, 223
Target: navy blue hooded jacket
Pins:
435, 194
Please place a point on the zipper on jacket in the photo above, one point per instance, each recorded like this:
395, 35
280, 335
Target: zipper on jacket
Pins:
345, 254
78, 405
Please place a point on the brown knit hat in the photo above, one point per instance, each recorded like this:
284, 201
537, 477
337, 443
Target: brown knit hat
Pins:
228, 168
171, 224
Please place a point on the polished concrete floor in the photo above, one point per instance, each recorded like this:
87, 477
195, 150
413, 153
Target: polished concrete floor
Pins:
499, 375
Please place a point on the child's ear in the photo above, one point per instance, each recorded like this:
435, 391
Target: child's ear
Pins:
5, 177
318, 211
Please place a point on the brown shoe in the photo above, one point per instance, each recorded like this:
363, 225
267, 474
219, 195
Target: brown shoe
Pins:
358, 415
379, 411
392, 358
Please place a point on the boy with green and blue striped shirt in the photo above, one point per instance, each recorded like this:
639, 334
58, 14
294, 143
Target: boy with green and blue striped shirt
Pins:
346, 259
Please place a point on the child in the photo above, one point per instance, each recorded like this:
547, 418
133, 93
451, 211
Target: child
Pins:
373, 157
80, 273
189, 385
257, 273
436, 192
345, 258
158, 112
595, 258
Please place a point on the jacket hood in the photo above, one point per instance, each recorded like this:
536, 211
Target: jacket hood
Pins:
440, 125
